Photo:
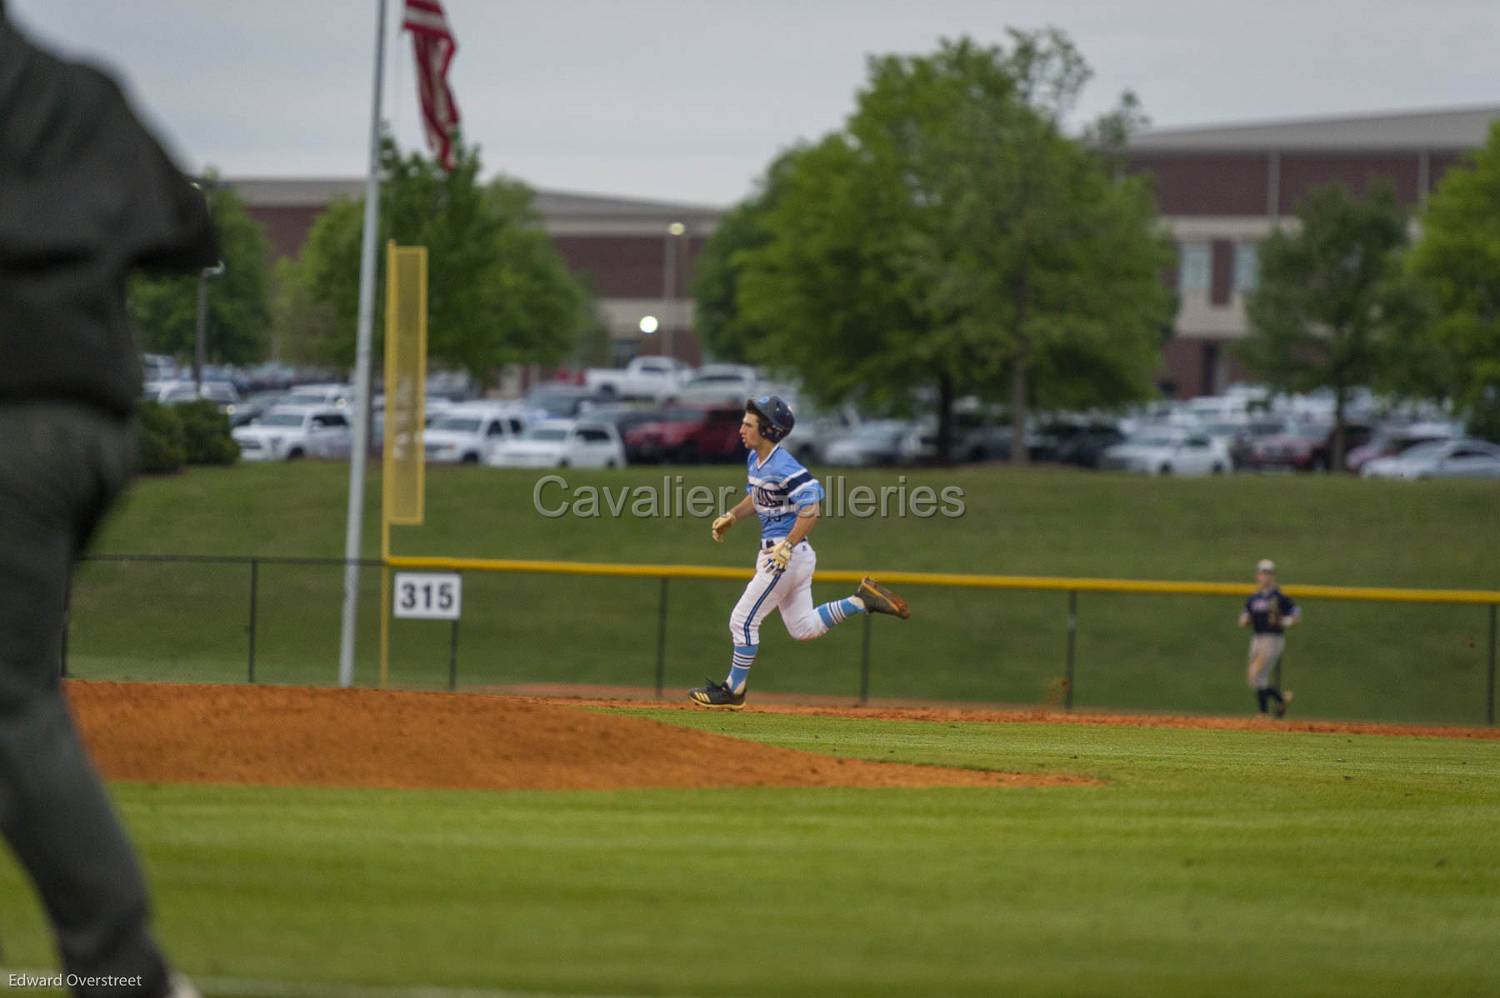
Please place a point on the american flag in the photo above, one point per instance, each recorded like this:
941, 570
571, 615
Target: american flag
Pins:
432, 42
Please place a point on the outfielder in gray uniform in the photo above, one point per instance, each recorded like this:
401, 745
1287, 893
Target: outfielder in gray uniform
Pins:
1269, 612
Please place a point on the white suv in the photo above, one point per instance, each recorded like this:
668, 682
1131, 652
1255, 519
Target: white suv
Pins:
286, 433
562, 443
465, 434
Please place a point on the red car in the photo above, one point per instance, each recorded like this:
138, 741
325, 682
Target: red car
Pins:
1303, 447
687, 435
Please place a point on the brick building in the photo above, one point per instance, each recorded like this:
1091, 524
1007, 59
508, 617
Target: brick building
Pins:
1221, 189
636, 255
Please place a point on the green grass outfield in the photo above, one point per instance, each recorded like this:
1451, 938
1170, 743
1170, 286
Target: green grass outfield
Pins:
1382, 662
1211, 862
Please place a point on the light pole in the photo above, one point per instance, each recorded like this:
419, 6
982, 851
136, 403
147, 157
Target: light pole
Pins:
199, 339
669, 284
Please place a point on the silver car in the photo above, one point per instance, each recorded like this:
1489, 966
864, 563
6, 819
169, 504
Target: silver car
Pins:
1466, 458
873, 443
721, 383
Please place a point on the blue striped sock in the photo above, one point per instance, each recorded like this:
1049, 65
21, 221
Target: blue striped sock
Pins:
838, 611
739, 669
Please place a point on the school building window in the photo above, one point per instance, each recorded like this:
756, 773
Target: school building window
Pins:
1195, 269
1246, 266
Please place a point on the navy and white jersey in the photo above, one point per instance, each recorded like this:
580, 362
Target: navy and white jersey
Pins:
780, 486
1268, 608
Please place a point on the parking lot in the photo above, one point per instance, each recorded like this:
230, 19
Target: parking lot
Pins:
684, 416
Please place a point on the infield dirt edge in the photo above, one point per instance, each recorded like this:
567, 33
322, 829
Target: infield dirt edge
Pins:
360, 738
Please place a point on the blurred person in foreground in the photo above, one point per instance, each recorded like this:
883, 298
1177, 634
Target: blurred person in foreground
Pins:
86, 196
1268, 613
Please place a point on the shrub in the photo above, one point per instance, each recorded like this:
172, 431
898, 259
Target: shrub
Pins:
206, 434
161, 445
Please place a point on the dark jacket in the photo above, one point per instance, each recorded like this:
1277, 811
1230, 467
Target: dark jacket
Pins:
86, 195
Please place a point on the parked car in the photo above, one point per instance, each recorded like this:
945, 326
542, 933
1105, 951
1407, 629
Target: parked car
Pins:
1167, 450
335, 395
721, 383
450, 386
655, 378
235, 376
1463, 458
255, 405
561, 443
221, 393
625, 417
1256, 429
466, 432
977, 436
919, 445
287, 433
1303, 446
159, 367
1086, 446
559, 400
687, 434
174, 392
1390, 442
816, 429
878, 442
271, 376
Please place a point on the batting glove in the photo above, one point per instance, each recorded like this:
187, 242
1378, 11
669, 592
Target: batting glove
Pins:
722, 524
780, 555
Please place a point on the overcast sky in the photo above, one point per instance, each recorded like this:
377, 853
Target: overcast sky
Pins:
689, 101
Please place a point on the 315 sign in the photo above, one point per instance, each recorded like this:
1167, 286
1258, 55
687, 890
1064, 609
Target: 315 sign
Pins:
429, 595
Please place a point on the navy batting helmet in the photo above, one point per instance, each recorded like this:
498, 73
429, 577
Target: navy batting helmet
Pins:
776, 419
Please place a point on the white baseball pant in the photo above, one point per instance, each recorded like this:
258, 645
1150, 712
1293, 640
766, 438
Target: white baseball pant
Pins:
789, 591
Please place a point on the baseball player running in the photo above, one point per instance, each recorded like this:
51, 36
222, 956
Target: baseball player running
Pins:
1269, 612
785, 496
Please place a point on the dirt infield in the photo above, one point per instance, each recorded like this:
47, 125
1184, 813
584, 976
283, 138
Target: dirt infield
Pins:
288, 736
973, 713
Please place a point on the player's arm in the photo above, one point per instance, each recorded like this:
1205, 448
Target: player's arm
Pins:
1244, 618
807, 518
1291, 613
745, 507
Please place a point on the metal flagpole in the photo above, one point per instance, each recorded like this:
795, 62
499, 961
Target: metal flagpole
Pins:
355, 519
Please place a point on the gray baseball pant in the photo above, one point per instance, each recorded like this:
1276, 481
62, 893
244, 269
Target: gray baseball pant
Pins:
61, 465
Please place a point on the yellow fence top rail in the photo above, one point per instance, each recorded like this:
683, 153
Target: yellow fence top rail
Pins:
951, 579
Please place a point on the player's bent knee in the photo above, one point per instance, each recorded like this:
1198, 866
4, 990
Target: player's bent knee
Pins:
806, 628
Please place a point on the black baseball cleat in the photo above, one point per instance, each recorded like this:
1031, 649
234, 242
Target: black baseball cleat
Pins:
879, 599
1286, 701
717, 696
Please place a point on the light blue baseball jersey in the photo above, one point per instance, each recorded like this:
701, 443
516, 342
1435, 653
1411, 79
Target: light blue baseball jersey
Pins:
780, 487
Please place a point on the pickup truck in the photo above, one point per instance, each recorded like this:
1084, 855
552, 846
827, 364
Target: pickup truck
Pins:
655, 378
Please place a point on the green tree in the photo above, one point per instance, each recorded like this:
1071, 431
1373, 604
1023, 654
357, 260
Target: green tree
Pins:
165, 309
1331, 310
825, 294
498, 293
953, 238
1457, 261
726, 331
303, 329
